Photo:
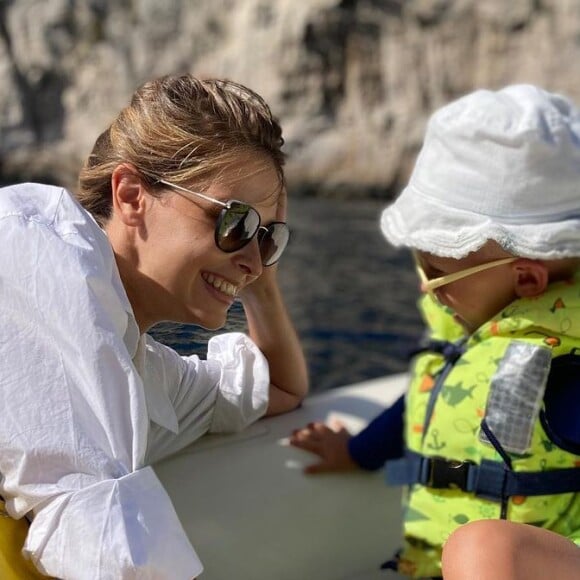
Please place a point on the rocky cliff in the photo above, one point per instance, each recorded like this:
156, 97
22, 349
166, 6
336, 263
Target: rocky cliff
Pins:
353, 81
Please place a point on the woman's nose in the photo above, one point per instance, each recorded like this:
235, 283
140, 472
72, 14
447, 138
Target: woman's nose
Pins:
249, 258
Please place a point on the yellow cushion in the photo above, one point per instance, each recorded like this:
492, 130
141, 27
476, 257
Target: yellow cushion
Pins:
13, 565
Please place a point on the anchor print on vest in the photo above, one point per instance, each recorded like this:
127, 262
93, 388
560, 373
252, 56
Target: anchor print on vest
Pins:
435, 444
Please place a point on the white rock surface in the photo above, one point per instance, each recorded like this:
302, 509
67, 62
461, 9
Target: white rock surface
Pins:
353, 81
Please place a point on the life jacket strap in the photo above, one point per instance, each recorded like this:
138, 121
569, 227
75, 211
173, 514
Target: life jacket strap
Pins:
490, 479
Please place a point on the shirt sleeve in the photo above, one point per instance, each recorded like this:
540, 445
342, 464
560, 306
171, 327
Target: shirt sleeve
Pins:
116, 528
225, 393
74, 422
381, 440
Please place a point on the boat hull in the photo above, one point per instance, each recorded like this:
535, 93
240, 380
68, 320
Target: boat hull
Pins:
252, 514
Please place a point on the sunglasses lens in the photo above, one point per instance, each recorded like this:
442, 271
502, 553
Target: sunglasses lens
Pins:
239, 223
273, 240
236, 226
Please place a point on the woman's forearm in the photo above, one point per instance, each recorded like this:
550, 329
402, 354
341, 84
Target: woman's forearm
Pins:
272, 330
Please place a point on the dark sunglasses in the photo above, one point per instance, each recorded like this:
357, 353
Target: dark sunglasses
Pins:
237, 225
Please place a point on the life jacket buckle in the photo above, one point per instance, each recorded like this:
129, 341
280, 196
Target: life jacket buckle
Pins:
447, 474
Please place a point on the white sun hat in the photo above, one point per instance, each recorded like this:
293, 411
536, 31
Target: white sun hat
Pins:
501, 166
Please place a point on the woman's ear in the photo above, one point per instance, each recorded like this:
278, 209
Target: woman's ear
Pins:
531, 277
129, 200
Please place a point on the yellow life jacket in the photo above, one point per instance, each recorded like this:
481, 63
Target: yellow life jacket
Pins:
13, 565
473, 413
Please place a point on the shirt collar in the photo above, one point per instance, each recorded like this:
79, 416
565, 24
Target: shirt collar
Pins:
159, 406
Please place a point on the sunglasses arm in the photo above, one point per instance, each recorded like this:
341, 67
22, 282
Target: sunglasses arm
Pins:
180, 190
430, 285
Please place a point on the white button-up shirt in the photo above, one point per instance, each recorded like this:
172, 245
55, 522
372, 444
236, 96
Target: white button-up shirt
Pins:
87, 402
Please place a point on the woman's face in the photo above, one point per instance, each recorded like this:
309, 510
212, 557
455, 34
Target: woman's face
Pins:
183, 275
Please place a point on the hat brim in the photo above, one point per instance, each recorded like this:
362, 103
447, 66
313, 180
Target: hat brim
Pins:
417, 221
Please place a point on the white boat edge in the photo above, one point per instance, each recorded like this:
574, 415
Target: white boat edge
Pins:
251, 513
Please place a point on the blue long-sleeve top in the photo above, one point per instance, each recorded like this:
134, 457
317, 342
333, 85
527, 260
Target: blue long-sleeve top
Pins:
381, 440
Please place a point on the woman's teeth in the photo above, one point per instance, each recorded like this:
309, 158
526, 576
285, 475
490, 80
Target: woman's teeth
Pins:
221, 285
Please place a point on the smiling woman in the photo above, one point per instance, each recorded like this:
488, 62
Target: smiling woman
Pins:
183, 208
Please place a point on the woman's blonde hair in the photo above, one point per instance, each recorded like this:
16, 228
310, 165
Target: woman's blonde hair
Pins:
184, 130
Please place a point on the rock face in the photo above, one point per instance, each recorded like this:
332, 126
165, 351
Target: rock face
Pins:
353, 81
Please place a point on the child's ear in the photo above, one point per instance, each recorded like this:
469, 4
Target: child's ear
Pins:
531, 277
128, 195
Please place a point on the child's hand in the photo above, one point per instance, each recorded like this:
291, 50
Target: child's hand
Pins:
330, 444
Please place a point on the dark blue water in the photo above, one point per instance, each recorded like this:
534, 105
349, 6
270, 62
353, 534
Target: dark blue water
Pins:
352, 297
